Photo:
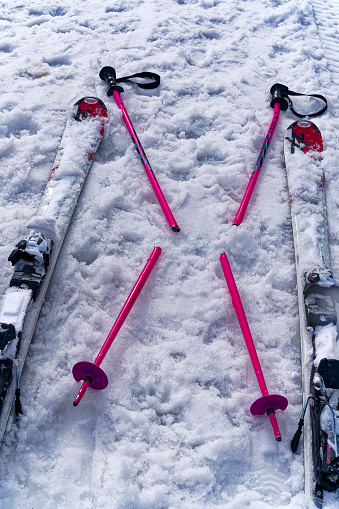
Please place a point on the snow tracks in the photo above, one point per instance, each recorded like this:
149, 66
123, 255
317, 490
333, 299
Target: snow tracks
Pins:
327, 19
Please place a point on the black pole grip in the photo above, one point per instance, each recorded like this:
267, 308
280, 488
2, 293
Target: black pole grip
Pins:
108, 74
279, 93
296, 438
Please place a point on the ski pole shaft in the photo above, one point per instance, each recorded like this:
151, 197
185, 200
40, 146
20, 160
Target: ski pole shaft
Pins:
108, 74
82, 391
255, 174
237, 304
268, 403
274, 423
152, 178
128, 304
90, 372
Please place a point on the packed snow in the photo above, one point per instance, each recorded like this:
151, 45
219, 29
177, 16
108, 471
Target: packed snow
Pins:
173, 429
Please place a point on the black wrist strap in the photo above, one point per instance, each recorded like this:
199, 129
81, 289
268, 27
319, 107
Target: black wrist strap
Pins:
317, 96
281, 94
148, 75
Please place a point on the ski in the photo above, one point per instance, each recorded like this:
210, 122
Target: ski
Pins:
318, 295
35, 256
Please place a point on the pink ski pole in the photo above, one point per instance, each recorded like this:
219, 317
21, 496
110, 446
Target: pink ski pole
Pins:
108, 74
268, 402
90, 372
278, 102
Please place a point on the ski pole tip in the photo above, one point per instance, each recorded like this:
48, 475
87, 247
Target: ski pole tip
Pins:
82, 391
239, 215
274, 423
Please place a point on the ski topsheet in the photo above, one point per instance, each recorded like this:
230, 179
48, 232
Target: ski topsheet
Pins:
35, 256
317, 296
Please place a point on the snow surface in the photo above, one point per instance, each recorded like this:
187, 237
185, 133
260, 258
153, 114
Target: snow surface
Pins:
173, 429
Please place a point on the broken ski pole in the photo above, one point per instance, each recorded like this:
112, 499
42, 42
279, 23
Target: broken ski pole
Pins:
108, 74
268, 403
90, 372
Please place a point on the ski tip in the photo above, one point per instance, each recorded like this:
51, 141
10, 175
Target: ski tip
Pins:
75, 403
278, 439
176, 229
235, 224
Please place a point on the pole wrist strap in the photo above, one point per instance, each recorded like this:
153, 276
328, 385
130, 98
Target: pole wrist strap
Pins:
143, 75
281, 94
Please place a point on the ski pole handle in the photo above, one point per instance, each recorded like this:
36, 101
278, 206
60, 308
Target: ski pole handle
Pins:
279, 94
108, 74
